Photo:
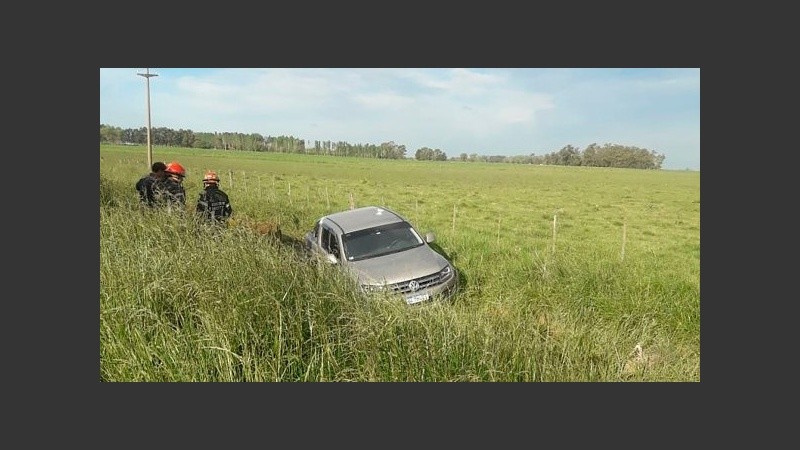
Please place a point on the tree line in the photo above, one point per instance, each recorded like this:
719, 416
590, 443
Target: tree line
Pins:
594, 155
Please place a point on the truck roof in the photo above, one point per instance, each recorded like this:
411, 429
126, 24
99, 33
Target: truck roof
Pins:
362, 218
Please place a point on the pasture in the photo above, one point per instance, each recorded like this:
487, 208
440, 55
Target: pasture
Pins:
569, 274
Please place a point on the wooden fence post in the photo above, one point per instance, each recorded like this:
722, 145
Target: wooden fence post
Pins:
624, 238
454, 220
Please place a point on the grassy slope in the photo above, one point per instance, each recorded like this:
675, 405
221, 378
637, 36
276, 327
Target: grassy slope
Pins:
535, 306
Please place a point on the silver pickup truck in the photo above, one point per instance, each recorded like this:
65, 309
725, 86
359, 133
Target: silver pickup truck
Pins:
383, 253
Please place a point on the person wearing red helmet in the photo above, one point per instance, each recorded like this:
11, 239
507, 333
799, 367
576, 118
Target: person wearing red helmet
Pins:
213, 204
170, 191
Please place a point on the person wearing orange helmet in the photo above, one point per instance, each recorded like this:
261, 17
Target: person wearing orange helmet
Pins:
170, 191
213, 204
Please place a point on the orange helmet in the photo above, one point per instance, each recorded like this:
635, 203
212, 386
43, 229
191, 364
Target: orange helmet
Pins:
175, 169
210, 177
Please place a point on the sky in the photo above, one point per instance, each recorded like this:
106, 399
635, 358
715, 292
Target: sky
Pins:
488, 111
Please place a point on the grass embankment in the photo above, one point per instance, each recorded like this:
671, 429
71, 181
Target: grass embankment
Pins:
570, 274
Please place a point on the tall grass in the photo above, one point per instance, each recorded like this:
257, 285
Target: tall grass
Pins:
184, 302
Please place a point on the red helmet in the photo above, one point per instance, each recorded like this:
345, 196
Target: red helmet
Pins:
210, 177
175, 169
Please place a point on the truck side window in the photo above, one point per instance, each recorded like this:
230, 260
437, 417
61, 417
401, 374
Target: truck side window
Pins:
334, 244
329, 243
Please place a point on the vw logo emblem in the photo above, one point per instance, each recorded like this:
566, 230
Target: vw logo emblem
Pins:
413, 285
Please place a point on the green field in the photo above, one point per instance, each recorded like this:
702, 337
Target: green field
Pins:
570, 274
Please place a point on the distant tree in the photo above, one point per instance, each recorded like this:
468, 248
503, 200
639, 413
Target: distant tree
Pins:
109, 134
568, 156
609, 155
519, 159
423, 154
590, 155
390, 150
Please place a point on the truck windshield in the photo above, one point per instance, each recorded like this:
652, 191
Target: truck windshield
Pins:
379, 241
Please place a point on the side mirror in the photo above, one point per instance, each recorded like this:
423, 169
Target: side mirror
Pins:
430, 237
333, 259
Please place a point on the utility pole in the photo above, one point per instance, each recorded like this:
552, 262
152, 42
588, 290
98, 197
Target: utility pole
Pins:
147, 76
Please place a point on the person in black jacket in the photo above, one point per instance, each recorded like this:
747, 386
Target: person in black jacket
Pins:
170, 191
213, 204
145, 184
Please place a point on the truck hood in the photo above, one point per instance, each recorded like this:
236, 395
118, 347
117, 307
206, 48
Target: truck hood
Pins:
394, 268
